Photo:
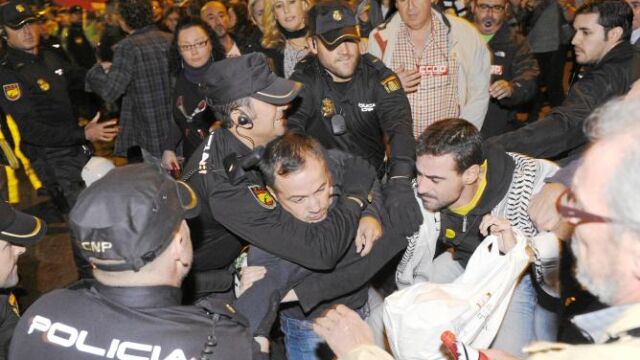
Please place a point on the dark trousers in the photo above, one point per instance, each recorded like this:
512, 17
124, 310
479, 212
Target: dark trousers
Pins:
551, 77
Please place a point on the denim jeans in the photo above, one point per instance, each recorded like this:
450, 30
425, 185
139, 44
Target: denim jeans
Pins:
302, 343
525, 321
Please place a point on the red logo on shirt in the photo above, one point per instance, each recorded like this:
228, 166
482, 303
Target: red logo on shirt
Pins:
433, 70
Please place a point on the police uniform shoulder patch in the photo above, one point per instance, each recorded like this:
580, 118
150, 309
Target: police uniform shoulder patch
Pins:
12, 91
13, 303
391, 84
262, 196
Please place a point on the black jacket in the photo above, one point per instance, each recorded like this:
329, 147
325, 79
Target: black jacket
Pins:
192, 116
237, 211
462, 233
561, 131
373, 106
514, 62
8, 321
79, 47
110, 322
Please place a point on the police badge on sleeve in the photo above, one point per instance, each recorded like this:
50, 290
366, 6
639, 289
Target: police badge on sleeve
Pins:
12, 91
262, 196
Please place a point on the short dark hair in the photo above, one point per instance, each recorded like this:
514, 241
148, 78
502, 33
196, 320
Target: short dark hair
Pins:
457, 137
136, 13
287, 154
222, 112
611, 14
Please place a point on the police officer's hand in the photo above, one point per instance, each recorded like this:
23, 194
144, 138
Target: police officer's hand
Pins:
501, 89
404, 211
357, 179
104, 131
369, 231
410, 79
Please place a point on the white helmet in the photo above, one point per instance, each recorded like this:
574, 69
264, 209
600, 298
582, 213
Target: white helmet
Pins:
96, 168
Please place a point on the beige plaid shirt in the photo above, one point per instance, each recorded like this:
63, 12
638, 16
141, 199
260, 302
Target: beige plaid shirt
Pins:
436, 97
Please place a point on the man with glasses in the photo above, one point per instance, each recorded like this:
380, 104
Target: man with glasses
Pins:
514, 69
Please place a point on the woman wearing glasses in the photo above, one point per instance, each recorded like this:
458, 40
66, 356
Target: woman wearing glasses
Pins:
193, 50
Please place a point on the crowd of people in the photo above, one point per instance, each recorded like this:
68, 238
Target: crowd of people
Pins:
286, 165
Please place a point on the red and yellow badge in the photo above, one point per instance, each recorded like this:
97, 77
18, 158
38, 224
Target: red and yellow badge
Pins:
12, 91
44, 85
262, 195
13, 302
391, 84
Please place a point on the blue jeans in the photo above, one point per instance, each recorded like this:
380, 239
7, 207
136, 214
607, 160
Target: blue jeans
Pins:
302, 343
525, 321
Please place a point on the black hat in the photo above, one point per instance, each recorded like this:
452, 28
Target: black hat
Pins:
248, 75
19, 228
127, 218
16, 14
333, 22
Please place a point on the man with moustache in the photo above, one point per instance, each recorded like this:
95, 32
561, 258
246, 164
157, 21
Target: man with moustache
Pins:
601, 44
514, 69
352, 102
216, 15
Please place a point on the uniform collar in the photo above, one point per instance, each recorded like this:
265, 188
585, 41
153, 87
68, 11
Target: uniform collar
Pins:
141, 296
19, 56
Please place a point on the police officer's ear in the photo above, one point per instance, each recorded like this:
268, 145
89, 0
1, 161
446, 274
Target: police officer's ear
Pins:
312, 42
241, 119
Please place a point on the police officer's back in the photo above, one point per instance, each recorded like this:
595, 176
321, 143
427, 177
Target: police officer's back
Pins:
130, 226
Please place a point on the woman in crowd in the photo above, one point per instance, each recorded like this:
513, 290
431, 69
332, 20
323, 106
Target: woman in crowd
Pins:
285, 29
194, 48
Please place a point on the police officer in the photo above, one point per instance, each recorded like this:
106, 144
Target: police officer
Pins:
250, 100
78, 45
17, 230
35, 92
352, 101
130, 226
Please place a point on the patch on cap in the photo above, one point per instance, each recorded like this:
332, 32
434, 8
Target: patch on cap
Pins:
20, 8
262, 196
337, 15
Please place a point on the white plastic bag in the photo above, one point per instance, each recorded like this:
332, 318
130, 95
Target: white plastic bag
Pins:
472, 306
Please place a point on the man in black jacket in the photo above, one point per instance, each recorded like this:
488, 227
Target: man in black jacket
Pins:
352, 102
514, 69
130, 226
602, 43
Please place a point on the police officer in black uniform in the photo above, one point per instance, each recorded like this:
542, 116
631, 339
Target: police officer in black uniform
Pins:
352, 102
78, 46
17, 230
35, 91
130, 226
250, 100
36, 87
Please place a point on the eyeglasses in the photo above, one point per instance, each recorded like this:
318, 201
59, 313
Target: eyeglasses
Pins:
197, 45
566, 207
487, 8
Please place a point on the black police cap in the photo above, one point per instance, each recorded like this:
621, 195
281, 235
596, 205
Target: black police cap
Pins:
15, 14
248, 75
333, 22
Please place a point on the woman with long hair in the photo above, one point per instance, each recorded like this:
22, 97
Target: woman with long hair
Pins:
194, 48
285, 29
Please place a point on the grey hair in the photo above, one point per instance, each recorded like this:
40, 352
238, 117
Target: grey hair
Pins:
222, 112
616, 118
